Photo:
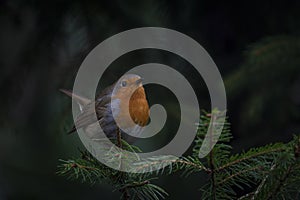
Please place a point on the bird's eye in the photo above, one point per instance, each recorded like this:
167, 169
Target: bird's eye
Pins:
123, 83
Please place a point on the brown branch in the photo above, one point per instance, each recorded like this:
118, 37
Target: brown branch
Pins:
248, 157
212, 167
239, 173
76, 165
124, 190
194, 165
140, 184
280, 183
246, 196
119, 139
171, 161
211, 162
262, 183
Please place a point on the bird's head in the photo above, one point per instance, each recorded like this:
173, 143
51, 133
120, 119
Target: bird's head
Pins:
128, 84
130, 96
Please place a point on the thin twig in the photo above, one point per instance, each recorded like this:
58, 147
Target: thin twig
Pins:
75, 165
211, 162
246, 196
119, 139
140, 184
280, 183
124, 190
172, 161
262, 183
239, 173
249, 157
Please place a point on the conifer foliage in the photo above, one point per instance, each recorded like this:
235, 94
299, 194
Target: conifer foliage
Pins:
267, 172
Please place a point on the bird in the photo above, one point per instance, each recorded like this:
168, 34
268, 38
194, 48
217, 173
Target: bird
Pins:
110, 107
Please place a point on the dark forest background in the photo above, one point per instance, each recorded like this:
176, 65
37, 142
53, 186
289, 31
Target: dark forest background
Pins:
255, 44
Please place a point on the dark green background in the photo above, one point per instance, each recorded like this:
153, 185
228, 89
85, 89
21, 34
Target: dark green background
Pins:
42, 44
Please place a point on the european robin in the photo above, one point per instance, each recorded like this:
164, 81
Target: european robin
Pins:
111, 105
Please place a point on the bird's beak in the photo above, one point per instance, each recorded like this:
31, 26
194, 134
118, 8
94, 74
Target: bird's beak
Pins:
139, 81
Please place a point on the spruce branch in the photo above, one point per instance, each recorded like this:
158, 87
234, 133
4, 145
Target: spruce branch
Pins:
268, 172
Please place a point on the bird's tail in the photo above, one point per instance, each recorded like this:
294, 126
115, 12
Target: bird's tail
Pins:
82, 101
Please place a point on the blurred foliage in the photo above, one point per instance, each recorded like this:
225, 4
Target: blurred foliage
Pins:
265, 89
44, 42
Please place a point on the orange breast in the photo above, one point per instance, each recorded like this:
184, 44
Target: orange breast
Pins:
138, 107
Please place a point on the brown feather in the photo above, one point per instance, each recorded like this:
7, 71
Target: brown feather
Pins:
138, 107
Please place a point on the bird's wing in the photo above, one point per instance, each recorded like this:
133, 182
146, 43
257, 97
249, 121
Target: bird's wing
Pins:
87, 117
82, 101
88, 108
